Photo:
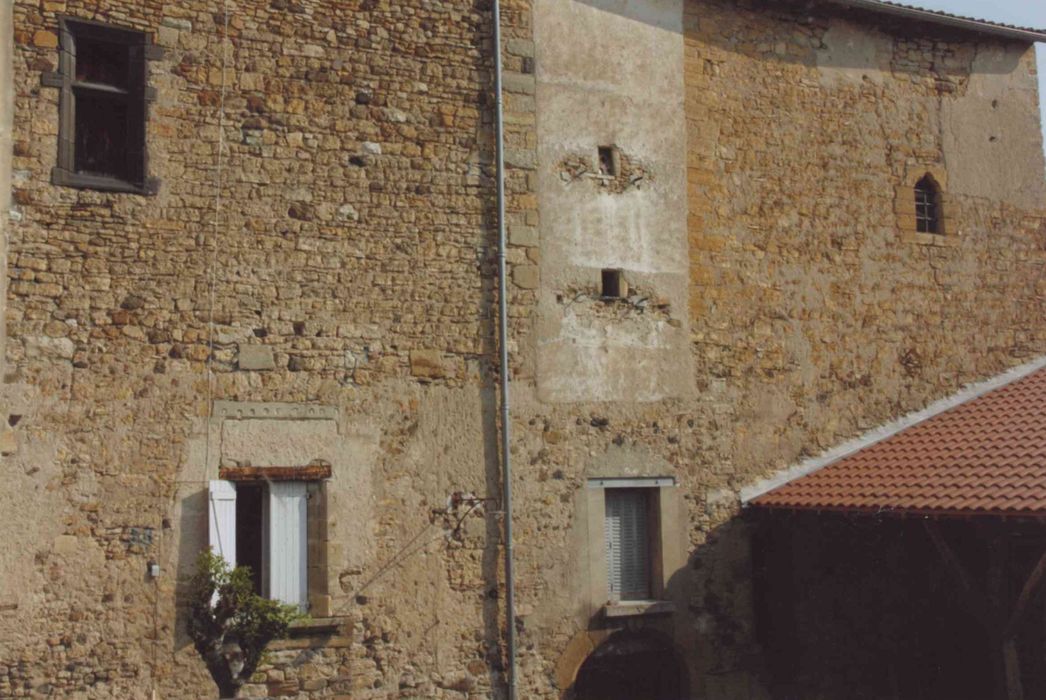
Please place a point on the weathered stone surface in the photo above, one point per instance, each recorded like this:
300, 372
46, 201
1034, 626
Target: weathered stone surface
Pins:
526, 276
255, 357
774, 311
428, 364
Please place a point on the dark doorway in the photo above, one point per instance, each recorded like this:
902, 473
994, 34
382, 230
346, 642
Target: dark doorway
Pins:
631, 666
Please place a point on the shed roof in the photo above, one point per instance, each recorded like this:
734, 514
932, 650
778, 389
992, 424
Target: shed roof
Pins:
945, 18
984, 456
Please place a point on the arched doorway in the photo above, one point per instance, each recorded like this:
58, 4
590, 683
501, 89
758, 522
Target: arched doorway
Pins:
631, 666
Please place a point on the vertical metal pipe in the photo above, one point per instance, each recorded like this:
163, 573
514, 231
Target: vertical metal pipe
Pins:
506, 457
6, 154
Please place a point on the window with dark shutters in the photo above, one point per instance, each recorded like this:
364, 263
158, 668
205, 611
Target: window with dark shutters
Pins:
102, 108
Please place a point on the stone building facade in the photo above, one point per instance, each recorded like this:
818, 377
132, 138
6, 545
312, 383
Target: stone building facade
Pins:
715, 271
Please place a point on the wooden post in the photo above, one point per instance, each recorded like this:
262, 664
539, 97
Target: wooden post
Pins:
992, 609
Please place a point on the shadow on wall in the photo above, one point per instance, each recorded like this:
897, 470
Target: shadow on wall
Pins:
855, 50
192, 532
706, 648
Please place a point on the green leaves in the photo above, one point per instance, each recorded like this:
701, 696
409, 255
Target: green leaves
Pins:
229, 623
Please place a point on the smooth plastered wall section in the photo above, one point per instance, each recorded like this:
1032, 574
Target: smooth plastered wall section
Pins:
608, 75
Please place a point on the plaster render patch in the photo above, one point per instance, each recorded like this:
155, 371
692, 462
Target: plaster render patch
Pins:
983, 142
278, 443
850, 55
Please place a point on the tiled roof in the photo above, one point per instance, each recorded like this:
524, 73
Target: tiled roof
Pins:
938, 17
986, 456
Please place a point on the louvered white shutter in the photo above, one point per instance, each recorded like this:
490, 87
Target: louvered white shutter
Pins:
628, 544
221, 519
287, 543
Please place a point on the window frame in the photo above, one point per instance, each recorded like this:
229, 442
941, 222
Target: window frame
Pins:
138, 96
646, 496
948, 233
223, 517
665, 547
927, 195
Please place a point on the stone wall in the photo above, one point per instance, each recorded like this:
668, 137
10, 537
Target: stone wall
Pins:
323, 237
323, 223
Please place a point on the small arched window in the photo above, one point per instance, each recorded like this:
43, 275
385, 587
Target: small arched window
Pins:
927, 205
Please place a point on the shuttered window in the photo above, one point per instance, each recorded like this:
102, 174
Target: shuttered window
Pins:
221, 520
287, 542
283, 523
628, 544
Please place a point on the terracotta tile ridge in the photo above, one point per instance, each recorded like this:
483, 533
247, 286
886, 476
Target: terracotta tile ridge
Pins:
812, 464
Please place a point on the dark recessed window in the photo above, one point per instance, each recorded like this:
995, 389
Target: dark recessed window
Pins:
614, 285
101, 138
927, 206
607, 161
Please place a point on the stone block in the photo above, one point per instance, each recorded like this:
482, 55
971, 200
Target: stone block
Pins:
525, 276
526, 236
519, 83
44, 39
520, 47
255, 357
427, 364
65, 544
320, 606
8, 442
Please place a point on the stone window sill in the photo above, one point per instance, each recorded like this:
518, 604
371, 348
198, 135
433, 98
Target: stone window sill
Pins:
636, 608
316, 625
316, 633
102, 183
941, 240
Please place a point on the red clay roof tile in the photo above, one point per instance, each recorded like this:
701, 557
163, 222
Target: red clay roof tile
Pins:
985, 456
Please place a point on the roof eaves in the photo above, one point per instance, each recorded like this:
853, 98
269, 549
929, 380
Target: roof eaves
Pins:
935, 17
876, 435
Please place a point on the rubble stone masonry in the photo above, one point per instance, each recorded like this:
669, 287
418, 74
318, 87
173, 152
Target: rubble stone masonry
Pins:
315, 280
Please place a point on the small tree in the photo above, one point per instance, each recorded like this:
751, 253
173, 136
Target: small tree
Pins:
230, 624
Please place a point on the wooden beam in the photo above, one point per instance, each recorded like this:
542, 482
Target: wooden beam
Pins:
1027, 593
1011, 662
975, 600
312, 472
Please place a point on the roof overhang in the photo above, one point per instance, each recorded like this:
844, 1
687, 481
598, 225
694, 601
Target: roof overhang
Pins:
979, 452
949, 20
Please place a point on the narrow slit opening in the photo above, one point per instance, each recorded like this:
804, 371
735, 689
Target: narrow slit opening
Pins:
607, 161
613, 284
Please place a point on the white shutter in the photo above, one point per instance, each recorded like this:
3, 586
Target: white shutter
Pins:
287, 542
221, 519
628, 544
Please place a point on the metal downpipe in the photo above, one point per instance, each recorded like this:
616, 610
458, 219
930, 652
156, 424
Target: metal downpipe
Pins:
506, 461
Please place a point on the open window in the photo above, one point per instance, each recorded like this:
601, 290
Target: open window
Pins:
102, 111
264, 525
